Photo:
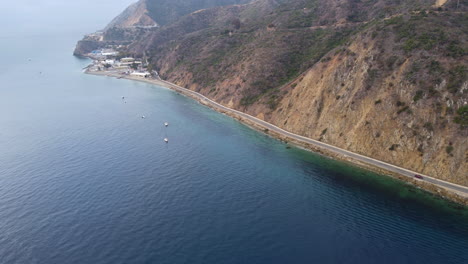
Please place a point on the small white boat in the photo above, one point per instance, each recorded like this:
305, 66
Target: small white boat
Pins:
166, 140
166, 124
143, 117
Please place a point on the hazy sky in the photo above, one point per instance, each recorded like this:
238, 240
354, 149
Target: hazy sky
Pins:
52, 16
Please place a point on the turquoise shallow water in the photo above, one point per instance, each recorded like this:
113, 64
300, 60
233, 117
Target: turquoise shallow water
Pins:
83, 179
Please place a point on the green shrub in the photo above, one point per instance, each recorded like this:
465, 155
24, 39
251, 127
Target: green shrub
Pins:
411, 74
248, 100
428, 126
418, 96
391, 61
393, 147
324, 132
404, 109
456, 78
455, 50
397, 20
410, 45
462, 116
405, 30
435, 67
449, 149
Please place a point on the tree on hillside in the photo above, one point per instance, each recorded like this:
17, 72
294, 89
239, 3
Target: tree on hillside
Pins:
236, 23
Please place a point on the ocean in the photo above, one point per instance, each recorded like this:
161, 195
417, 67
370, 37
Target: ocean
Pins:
85, 179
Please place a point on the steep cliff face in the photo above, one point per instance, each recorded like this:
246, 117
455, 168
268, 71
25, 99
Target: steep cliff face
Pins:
86, 46
373, 97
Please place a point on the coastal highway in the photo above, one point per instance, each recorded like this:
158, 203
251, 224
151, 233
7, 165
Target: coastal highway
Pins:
462, 190
459, 189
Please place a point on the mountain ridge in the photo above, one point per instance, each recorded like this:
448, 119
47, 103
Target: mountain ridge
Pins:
135, 15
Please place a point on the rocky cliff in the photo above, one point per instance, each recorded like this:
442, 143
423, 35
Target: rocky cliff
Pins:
380, 96
384, 78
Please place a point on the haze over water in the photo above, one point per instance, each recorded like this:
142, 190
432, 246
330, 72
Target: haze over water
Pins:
84, 179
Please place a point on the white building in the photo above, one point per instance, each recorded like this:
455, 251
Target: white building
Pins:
112, 53
140, 74
109, 52
127, 60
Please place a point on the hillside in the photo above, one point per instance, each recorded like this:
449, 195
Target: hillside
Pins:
162, 12
168, 11
383, 78
135, 15
143, 17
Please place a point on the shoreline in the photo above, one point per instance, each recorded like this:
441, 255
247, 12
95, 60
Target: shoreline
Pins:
446, 190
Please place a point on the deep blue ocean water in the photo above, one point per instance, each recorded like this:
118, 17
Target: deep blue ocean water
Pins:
84, 179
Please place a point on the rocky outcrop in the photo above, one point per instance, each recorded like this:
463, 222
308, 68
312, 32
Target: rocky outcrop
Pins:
84, 47
440, 3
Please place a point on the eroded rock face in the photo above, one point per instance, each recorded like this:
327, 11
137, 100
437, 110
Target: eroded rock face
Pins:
84, 47
440, 3
332, 103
